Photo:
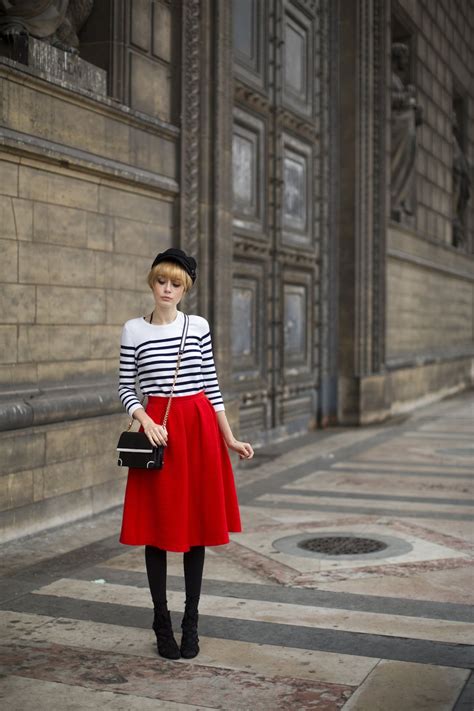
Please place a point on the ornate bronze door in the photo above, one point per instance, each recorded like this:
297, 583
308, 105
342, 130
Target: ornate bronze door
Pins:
277, 214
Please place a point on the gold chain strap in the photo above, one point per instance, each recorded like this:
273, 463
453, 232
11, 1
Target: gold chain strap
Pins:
167, 411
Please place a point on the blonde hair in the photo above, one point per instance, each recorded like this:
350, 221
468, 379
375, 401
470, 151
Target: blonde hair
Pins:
172, 271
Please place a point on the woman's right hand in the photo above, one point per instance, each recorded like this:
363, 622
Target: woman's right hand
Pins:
157, 434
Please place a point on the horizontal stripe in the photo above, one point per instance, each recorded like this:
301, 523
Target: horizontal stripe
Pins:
153, 362
379, 511
378, 497
297, 596
280, 635
275, 612
220, 653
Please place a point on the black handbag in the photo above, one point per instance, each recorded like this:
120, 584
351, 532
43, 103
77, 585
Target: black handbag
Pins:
134, 448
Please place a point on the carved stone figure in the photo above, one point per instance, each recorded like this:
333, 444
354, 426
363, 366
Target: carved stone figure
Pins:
54, 21
461, 186
406, 116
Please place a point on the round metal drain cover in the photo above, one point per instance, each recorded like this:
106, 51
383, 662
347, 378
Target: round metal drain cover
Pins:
342, 545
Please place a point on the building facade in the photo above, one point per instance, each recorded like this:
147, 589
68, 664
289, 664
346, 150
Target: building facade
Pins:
316, 158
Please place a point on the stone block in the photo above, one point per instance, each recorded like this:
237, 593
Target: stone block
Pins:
154, 153
135, 206
63, 305
140, 34
64, 477
64, 442
8, 261
113, 271
162, 32
21, 450
8, 344
39, 344
54, 264
150, 87
8, 178
23, 213
140, 238
60, 225
100, 232
43, 514
7, 218
17, 303
57, 188
105, 341
74, 370
124, 305
17, 373
110, 493
16, 489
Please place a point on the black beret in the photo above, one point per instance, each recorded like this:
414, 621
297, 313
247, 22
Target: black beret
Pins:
177, 255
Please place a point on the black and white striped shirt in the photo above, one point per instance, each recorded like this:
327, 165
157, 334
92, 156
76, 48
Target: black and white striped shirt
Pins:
149, 352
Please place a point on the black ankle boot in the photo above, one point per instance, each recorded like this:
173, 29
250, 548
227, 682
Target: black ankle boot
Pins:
190, 640
165, 641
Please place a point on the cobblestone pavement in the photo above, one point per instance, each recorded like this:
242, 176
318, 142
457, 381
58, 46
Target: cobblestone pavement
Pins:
280, 628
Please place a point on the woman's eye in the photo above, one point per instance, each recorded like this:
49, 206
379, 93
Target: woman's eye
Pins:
176, 286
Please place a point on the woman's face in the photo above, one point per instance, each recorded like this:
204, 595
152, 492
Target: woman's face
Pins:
167, 292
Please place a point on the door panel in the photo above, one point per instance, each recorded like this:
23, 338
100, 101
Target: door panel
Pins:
275, 158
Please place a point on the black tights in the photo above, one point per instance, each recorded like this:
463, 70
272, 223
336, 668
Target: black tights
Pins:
193, 563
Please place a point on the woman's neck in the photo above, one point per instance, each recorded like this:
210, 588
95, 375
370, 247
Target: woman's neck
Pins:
161, 316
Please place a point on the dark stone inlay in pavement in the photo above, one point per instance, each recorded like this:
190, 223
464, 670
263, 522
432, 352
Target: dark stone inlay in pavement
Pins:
281, 635
377, 497
375, 511
465, 701
457, 451
297, 596
390, 471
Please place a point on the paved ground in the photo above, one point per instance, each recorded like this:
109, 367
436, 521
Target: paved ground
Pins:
279, 630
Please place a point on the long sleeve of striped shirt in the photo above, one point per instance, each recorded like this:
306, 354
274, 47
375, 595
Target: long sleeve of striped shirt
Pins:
148, 354
128, 372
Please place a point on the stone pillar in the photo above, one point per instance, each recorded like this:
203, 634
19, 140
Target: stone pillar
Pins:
363, 203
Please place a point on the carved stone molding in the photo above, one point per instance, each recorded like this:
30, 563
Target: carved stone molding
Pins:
251, 98
305, 128
380, 196
190, 146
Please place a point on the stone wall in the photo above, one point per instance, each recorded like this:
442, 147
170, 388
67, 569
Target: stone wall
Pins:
87, 196
430, 282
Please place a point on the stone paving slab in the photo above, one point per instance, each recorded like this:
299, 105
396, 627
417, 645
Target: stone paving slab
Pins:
278, 631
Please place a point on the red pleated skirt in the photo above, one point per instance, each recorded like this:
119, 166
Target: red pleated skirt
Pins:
192, 500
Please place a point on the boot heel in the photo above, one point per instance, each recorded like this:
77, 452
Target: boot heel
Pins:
189, 641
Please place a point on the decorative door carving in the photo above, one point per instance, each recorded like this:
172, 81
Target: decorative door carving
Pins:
277, 213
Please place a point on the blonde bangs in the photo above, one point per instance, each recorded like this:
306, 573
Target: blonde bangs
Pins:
171, 271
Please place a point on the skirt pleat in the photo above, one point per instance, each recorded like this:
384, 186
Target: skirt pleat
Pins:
192, 500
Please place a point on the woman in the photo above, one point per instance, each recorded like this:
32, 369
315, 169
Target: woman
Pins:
191, 502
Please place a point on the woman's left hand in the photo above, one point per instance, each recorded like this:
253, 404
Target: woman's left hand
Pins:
243, 449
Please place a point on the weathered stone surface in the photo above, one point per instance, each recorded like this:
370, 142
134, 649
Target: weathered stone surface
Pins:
123, 305
17, 303
8, 261
135, 206
41, 343
21, 450
151, 90
7, 218
8, 344
58, 188
16, 489
60, 225
57, 305
8, 177
63, 442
